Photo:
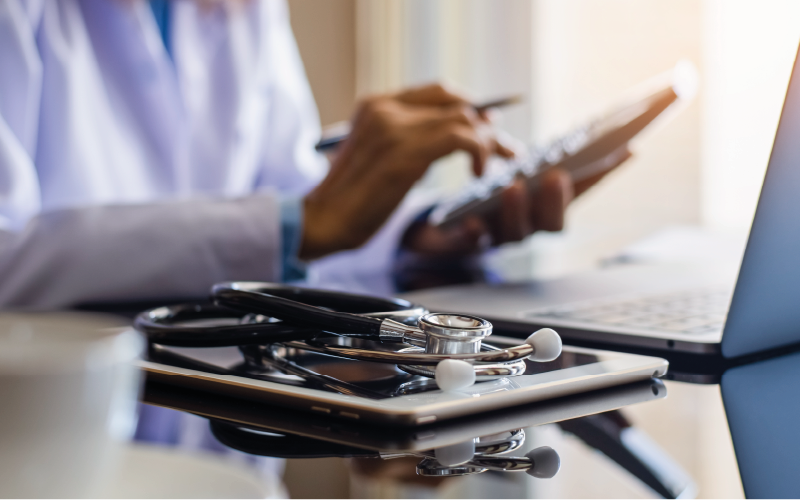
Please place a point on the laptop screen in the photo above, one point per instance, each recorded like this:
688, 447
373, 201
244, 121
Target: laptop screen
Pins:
762, 408
765, 310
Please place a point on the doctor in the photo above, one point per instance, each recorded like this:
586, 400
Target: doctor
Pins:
150, 149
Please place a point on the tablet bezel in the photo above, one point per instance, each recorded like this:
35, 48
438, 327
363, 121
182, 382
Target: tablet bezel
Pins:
610, 370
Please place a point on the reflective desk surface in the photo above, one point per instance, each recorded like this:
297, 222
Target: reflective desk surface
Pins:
652, 439
733, 434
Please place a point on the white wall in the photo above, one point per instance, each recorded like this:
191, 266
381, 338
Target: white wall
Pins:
749, 51
326, 36
575, 58
482, 48
587, 55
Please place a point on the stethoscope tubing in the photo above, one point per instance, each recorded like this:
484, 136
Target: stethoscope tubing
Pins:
255, 441
255, 299
299, 320
161, 326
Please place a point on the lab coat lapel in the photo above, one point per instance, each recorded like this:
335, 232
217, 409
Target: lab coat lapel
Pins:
144, 83
215, 58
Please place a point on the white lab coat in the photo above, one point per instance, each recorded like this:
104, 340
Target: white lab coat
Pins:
125, 175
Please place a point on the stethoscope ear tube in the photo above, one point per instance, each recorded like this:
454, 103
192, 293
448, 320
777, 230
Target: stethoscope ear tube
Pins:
162, 326
254, 442
239, 296
233, 320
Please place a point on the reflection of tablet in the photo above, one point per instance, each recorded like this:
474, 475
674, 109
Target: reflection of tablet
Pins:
399, 398
358, 434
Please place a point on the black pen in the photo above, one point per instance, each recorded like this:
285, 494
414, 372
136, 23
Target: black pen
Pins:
334, 140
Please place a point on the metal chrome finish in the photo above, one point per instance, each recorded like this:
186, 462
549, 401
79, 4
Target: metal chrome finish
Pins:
430, 467
392, 331
414, 355
454, 333
483, 372
486, 457
406, 317
502, 463
498, 444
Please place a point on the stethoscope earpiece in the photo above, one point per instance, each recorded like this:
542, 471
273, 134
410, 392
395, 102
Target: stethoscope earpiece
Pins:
546, 462
546, 345
456, 454
454, 375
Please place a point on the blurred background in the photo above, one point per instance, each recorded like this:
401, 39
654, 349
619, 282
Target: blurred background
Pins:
572, 60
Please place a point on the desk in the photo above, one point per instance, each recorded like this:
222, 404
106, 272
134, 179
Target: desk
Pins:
689, 425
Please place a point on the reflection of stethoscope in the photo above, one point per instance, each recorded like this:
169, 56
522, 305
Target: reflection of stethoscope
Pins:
262, 314
470, 457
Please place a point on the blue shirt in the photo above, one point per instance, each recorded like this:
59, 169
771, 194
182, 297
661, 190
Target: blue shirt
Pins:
160, 10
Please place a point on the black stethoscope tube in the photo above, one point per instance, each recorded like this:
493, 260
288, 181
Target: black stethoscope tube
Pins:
304, 314
254, 442
161, 327
294, 312
315, 379
330, 299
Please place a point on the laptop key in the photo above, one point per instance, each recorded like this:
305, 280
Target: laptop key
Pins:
685, 312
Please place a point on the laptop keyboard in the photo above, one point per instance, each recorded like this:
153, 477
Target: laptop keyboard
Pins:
692, 312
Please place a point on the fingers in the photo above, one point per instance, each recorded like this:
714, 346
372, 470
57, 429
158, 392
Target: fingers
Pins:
470, 140
523, 212
520, 214
461, 128
486, 134
463, 112
464, 239
432, 122
434, 94
514, 223
502, 150
552, 198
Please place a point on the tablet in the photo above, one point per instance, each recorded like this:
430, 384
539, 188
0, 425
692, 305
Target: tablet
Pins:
587, 151
268, 418
395, 397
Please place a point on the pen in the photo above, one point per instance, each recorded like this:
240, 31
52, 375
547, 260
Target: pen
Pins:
344, 130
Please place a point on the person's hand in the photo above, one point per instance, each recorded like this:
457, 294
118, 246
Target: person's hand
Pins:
393, 141
521, 213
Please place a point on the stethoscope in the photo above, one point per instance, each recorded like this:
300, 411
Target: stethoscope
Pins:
487, 453
260, 316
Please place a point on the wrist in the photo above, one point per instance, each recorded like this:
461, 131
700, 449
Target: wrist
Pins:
329, 226
317, 239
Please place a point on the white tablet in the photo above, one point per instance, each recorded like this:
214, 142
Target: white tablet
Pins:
396, 397
266, 417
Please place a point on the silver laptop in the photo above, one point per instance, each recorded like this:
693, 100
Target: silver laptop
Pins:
678, 307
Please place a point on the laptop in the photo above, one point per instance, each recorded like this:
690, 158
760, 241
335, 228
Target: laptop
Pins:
700, 309
761, 406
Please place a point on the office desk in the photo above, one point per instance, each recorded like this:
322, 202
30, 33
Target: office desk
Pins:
689, 427
756, 407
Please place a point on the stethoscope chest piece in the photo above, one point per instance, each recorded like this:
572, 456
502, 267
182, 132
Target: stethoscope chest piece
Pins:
458, 334
453, 333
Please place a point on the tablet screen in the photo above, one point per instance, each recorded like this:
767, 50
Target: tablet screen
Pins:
366, 379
